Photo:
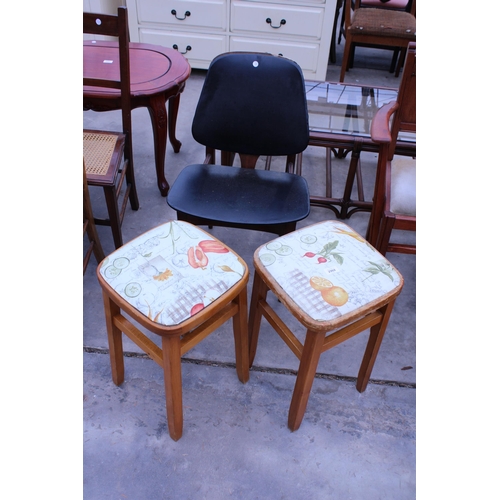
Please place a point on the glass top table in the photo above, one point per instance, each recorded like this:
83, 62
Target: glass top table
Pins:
340, 117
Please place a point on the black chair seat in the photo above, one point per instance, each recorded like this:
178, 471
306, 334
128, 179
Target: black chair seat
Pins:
237, 197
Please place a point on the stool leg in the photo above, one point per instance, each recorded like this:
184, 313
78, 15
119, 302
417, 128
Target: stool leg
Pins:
307, 369
171, 347
372, 348
259, 293
115, 341
240, 330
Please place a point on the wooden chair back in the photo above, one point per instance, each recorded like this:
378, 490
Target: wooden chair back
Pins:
117, 26
402, 113
109, 153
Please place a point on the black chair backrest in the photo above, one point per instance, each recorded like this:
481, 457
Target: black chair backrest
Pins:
254, 104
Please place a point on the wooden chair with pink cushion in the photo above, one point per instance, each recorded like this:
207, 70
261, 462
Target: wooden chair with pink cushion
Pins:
394, 202
179, 283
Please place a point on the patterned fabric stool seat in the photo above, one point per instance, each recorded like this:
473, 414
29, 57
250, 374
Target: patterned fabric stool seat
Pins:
180, 283
331, 280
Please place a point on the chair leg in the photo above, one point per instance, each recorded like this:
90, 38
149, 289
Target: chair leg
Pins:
115, 341
394, 60
372, 348
240, 330
171, 347
259, 293
307, 369
345, 58
351, 176
384, 236
133, 197
114, 215
338, 8
402, 57
372, 230
129, 165
328, 179
88, 216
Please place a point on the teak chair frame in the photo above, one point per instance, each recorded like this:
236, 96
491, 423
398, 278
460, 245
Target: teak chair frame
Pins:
89, 227
402, 113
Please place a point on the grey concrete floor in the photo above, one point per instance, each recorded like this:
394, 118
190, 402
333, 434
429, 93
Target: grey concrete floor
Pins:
236, 443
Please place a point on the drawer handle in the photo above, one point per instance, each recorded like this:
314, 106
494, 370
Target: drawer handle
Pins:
186, 14
176, 47
269, 21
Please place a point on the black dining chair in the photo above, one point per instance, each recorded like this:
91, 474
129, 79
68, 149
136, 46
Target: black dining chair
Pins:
251, 104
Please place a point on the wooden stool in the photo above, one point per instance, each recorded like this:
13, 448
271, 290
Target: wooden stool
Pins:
180, 283
330, 279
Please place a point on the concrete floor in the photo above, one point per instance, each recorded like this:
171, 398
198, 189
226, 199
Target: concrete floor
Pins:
236, 443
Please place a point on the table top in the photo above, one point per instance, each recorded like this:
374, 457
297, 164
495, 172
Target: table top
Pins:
153, 68
343, 109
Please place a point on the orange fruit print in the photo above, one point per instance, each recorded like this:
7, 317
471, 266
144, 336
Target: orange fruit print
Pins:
320, 283
335, 296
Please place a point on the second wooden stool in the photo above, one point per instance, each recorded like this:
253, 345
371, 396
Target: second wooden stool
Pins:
331, 280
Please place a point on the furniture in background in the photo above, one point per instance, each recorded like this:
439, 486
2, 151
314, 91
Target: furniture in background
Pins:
89, 227
251, 104
338, 17
157, 75
394, 203
178, 282
330, 280
202, 29
403, 5
340, 117
108, 155
377, 27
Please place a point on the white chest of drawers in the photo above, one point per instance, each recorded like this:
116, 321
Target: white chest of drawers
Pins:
300, 30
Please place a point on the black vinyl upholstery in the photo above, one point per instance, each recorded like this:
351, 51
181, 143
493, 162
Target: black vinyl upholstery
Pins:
250, 104
253, 104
